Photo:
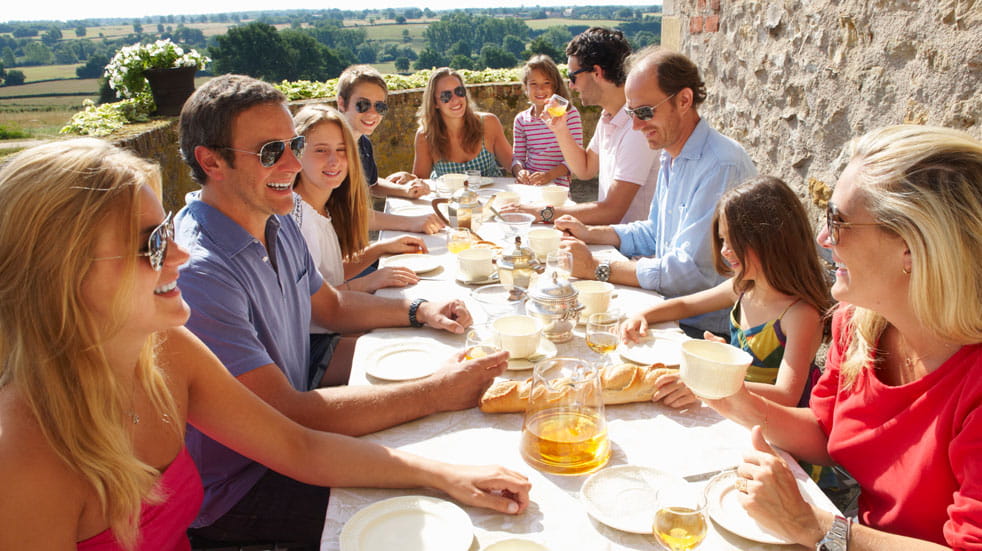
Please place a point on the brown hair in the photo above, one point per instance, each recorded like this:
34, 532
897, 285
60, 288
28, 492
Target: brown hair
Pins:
673, 70
207, 116
763, 215
431, 122
547, 66
349, 205
355, 75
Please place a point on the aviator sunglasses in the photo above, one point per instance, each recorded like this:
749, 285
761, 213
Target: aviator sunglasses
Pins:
364, 104
269, 154
834, 222
646, 112
156, 244
446, 95
572, 76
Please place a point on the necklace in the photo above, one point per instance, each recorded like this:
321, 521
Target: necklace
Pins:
134, 417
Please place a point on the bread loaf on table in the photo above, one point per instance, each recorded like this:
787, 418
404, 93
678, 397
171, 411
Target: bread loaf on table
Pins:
622, 384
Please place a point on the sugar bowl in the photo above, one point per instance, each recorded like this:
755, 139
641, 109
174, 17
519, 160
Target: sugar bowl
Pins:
554, 301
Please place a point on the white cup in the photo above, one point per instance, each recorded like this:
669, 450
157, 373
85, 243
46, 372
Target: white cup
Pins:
543, 241
554, 195
506, 197
449, 183
474, 264
713, 369
595, 296
519, 335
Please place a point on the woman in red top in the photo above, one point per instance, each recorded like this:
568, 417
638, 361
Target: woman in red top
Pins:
900, 402
98, 375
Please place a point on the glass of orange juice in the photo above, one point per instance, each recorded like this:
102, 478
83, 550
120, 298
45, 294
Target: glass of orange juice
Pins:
458, 240
481, 342
556, 106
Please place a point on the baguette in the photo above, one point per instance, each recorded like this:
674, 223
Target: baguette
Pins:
621, 384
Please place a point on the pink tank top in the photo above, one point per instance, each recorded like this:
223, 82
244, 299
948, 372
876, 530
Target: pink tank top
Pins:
163, 527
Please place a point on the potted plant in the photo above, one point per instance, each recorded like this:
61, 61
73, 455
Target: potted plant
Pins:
161, 70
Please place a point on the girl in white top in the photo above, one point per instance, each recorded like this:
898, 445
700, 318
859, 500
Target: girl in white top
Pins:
333, 209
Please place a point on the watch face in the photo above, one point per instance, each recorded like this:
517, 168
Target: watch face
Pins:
603, 272
546, 214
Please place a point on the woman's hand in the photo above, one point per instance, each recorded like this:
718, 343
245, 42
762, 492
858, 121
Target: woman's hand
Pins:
522, 176
771, 495
403, 244
671, 391
539, 178
426, 223
492, 487
417, 188
634, 329
390, 276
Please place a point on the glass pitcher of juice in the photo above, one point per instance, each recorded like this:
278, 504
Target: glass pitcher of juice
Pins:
565, 430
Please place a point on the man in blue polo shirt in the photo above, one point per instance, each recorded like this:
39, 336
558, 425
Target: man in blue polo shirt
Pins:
253, 290
673, 247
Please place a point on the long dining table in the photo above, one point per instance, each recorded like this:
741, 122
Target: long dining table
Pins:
680, 442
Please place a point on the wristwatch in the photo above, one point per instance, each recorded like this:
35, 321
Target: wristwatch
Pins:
603, 271
837, 538
547, 213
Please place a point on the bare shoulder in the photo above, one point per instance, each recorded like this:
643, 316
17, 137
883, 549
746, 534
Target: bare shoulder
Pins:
490, 119
42, 494
802, 317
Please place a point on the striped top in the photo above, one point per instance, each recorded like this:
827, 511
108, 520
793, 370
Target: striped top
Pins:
536, 148
484, 161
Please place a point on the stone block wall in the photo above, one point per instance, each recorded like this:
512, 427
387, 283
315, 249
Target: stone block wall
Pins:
794, 80
393, 139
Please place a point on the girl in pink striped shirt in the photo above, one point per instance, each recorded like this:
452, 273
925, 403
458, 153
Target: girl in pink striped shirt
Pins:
537, 157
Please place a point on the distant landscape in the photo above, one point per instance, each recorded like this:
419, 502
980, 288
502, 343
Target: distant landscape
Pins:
48, 68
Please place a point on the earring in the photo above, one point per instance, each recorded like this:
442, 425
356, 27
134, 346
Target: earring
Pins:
905, 271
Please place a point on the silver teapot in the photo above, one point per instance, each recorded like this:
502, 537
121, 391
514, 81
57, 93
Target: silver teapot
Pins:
515, 266
464, 209
553, 300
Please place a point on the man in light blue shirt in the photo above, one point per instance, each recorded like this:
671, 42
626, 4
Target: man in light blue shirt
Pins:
673, 246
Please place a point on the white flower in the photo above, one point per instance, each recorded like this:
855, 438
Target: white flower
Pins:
125, 70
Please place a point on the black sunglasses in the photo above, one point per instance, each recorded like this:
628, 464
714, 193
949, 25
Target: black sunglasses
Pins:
446, 95
364, 104
833, 221
156, 244
645, 112
270, 153
572, 76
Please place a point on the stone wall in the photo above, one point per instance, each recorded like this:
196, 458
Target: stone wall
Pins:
794, 80
393, 139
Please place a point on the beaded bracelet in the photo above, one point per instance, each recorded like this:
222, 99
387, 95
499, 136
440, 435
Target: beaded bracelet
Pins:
412, 312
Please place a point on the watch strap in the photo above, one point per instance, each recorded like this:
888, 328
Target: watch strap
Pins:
547, 213
837, 538
602, 273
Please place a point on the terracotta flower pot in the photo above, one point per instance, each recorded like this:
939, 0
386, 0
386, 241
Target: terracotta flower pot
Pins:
170, 88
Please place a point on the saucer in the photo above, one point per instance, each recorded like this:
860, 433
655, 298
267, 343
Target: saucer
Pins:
493, 278
547, 349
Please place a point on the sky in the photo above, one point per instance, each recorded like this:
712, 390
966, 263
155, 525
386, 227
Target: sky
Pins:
66, 10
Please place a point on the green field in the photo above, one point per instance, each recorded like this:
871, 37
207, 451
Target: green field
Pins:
537, 24
44, 72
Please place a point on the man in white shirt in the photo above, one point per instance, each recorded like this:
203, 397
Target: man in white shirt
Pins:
627, 169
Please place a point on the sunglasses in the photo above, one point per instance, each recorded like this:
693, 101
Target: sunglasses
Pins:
572, 76
646, 112
270, 153
446, 95
833, 221
364, 104
156, 251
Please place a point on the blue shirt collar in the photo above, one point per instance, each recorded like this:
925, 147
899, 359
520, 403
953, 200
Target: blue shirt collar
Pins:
224, 232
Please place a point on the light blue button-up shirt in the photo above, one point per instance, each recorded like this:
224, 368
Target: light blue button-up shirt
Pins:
675, 240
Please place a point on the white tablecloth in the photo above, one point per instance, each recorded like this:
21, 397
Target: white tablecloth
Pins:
681, 442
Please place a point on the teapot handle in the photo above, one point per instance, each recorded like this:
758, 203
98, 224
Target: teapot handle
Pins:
435, 203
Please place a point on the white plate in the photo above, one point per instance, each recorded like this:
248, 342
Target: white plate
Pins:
489, 191
408, 523
493, 278
516, 544
412, 210
625, 497
419, 263
663, 347
723, 505
547, 349
404, 360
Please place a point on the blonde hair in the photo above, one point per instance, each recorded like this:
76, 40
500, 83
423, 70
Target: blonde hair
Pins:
433, 127
349, 205
545, 65
55, 201
925, 185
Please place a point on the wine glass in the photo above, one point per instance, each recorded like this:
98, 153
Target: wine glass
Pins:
561, 261
601, 333
481, 342
680, 523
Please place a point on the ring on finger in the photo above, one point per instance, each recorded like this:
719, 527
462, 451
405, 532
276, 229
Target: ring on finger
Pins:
741, 485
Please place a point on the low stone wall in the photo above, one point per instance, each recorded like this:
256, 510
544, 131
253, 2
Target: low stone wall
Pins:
794, 81
393, 139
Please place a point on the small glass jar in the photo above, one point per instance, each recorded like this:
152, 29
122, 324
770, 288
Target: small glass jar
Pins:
515, 267
553, 300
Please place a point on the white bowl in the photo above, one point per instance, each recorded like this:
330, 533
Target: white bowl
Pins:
496, 300
712, 369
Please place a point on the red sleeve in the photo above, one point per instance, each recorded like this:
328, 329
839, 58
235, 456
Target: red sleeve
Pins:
822, 402
963, 530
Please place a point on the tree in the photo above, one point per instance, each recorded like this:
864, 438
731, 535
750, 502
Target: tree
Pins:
14, 78
402, 64
160, 28
255, 49
496, 57
461, 62
401, 19
8, 57
137, 27
51, 36
513, 44
642, 39
37, 53
93, 68
558, 37
65, 56
461, 47
542, 46
406, 37
367, 53
430, 58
